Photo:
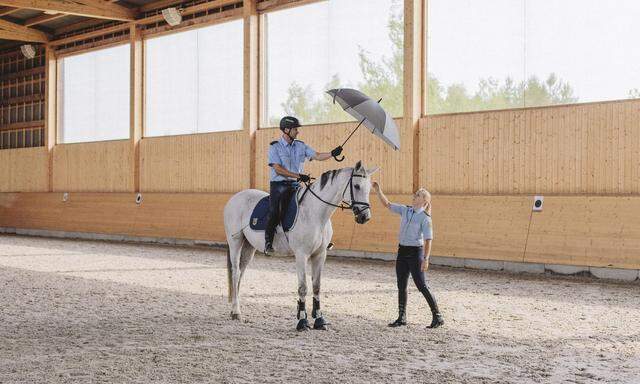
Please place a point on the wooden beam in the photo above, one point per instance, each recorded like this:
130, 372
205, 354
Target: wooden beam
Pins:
135, 100
251, 85
42, 19
276, 5
12, 31
412, 95
88, 8
88, 35
50, 109
161, 4
28, 124
189, 10
21, 100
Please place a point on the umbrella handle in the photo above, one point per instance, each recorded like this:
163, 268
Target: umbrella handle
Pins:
338, 159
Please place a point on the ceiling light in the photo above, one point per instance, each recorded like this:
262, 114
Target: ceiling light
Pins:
172, 16
28, 51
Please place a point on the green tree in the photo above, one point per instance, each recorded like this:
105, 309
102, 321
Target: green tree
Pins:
384, 79
634, 93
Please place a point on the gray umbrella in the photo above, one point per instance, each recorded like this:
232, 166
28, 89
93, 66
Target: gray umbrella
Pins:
369, 113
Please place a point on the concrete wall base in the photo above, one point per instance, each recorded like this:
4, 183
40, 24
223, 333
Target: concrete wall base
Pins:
628, 275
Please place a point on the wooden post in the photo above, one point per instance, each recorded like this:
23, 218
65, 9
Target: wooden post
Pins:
251, 86
50, 110
135, 94
413, 19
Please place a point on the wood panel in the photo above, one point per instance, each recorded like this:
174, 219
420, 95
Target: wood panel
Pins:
396, 166
24, 170
210, 162
591, 231
575, 149
105, 166
601, 231
185, 216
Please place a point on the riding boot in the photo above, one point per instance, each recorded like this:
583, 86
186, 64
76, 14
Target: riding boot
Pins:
436, 320
436, 317
268, 242
402, 311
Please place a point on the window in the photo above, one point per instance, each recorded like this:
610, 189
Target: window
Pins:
95, 95
522, 53
194, 81
336, 43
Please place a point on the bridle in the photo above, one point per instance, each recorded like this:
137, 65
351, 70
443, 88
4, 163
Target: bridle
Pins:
357, 207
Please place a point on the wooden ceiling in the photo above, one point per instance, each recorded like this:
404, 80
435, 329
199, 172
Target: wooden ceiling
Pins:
39, 21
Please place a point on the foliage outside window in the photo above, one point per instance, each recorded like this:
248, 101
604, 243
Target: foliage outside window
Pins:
503, 54
332, 44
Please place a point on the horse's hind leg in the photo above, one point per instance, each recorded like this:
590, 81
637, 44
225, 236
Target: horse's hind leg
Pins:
246, 255
234, 274
317, 263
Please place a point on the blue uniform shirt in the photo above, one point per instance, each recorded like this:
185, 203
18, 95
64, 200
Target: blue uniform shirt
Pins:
290, 156
415, 225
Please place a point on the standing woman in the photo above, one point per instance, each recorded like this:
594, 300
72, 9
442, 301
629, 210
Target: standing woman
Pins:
416, 234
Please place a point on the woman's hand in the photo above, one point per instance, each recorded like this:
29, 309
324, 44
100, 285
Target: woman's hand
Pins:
425, 265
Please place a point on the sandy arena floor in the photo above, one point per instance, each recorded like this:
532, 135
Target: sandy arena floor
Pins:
89, 312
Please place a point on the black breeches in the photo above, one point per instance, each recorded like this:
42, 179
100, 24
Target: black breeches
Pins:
278, 199
409, 261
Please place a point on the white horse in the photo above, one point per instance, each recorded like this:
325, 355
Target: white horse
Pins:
307, 240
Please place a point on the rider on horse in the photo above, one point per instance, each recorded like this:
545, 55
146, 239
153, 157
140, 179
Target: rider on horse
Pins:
286, 159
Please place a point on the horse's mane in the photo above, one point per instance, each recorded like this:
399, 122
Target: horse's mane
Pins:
324, 179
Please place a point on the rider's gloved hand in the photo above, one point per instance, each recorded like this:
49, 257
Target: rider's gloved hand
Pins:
304, 178
336, 151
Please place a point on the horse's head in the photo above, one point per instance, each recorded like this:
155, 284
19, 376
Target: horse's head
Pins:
360, 186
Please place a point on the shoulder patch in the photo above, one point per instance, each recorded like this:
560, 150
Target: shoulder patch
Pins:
299, 141
273, 142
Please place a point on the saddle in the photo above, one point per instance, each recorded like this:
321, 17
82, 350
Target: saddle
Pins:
258, 221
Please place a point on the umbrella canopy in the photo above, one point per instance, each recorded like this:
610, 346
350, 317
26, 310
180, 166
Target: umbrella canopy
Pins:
369, 113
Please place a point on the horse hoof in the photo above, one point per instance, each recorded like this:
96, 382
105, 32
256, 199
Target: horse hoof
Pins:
303, 325
235, 316
320, 324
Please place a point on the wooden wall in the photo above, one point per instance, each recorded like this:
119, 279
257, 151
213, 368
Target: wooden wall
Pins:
25, 169
575, 230
575, 149
397, 165
105, 166
210, 162
182, 216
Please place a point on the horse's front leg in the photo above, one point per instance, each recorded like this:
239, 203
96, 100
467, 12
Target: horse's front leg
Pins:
317, 263
301, 263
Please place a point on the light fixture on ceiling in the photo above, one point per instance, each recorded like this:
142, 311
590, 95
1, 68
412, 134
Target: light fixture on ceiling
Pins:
172, 16
51, 12
28, 51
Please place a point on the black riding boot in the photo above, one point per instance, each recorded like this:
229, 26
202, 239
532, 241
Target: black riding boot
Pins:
437, 320
436, 317
402, 311
268, 242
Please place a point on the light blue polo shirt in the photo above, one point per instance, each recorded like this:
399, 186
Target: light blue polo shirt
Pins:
290, 156
415, 225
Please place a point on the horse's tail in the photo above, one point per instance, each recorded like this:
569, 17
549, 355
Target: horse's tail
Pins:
229, 273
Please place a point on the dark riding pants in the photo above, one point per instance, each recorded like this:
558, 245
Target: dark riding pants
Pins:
280, 193
409, 261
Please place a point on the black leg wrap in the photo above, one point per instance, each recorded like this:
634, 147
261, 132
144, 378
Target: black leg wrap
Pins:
315, 313
302, 311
